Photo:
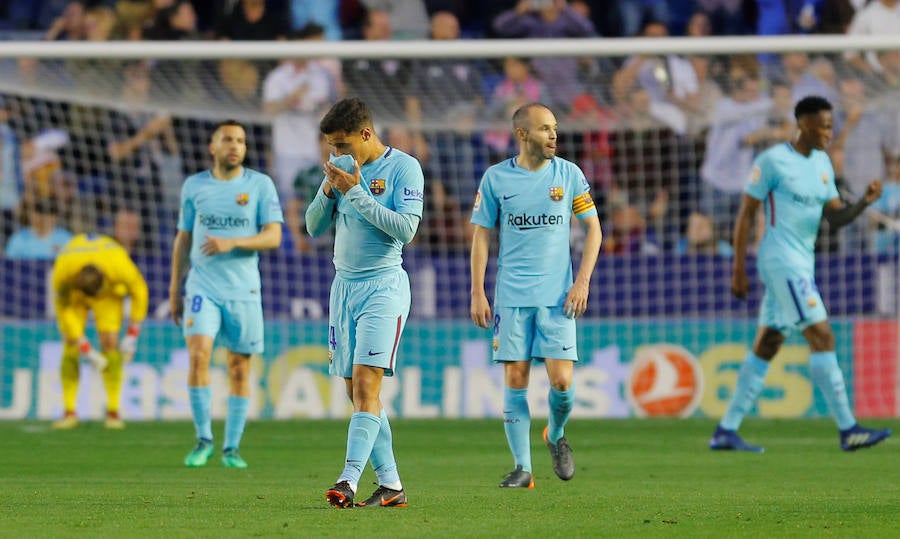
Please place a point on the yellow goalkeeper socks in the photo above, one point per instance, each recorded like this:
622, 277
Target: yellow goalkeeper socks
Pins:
112, 379
68, 372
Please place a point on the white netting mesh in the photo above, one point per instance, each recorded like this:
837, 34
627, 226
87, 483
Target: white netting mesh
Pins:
664, 137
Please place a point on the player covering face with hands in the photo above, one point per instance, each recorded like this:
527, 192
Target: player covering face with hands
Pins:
373, 195
532, 198
794, 181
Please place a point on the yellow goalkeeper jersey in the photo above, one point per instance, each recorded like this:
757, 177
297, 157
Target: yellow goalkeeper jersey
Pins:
121, 277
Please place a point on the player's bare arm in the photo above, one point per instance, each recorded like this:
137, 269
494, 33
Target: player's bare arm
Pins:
838, 214
480, 308
576, 298
180, 262
740, 284
268, 238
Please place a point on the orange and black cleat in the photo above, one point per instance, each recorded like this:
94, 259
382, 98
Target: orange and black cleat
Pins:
385, 497
518, 478
340, 495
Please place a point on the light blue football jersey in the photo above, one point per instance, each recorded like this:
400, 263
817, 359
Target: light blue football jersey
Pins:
235, 208
794, 189
534, 211
361, 250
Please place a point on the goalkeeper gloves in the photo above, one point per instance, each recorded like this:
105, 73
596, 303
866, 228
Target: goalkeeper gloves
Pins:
129, 342
92, 356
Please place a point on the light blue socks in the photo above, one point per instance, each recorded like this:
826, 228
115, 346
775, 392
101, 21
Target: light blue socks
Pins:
826, 373
361, 436
235, 421
382, 457
560, 409
750, 382
517, 424
200, 398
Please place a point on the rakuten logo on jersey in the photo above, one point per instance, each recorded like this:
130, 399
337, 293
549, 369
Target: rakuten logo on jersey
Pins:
527, 222
219, 222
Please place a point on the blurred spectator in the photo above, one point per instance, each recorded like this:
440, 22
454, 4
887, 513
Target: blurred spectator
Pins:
144, 155
804, 77
866, 134
517, 87
728, 158
890, 70
177, 80
252, 20
443, 225
306, 184
295, 95
100, 23
708, 69
70, 25
325, 13
835, 15
409, 19
443, 89
11, 184
879, 17
780, 122
173, 23
635, 14
669, 79
886, 238
127, 231
726, 16
629, 233
645, 165
133, 16
41, 239
388, 98
700, 238
549, 19
42, 171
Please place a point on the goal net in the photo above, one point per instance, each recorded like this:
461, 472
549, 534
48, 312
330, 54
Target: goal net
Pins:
665, 130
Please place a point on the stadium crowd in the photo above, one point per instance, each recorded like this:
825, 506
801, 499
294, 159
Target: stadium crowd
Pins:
667, 141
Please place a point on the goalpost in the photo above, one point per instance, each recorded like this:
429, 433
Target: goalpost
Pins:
111, 129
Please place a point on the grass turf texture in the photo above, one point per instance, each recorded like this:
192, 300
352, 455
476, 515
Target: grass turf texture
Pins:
634, 478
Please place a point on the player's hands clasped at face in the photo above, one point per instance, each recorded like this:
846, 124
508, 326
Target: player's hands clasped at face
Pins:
215, 246
576, 300
339, 179
740, 285
873, 191
480, 310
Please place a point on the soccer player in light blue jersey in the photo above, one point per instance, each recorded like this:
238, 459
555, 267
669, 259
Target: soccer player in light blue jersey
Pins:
532, 198
228, 214
372, 194
794, 181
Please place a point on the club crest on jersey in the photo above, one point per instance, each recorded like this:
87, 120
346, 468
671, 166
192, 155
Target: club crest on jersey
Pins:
377, 186
189, 323
243, 199
556, 194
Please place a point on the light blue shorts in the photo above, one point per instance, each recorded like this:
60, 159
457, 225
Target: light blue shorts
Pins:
366, 319
525, 333
238, 323
791, 300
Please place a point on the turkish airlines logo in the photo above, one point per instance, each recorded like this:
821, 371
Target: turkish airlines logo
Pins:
665, 381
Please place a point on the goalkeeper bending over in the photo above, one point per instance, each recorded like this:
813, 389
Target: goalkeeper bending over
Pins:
95, 273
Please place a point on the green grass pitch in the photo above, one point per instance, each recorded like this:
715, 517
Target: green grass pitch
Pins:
634, 478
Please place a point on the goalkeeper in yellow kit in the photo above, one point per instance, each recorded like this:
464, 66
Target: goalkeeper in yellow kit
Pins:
95, 273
